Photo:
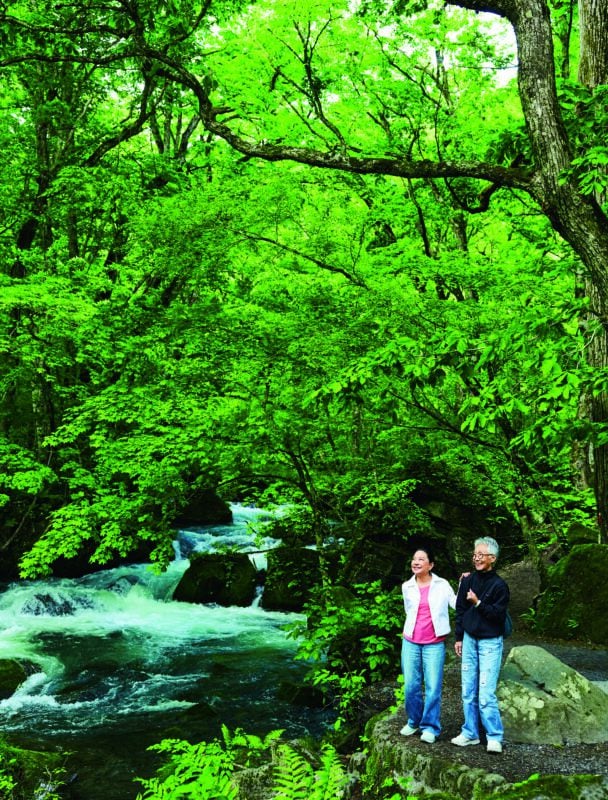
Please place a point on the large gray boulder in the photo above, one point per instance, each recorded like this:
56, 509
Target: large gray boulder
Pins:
544, 701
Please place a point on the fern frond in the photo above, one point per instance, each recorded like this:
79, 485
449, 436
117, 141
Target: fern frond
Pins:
330, 779
293, 775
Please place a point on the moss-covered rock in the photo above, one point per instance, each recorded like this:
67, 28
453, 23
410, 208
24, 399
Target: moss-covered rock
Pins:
544, 701
25, 774
394, 768
394, 761
574, 602
204, 507
556, 787
229, 579
12, 675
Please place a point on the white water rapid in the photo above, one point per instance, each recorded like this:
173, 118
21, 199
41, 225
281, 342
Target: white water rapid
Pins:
115, 665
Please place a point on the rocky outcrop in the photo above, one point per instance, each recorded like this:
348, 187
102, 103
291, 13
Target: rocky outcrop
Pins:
574, 602
416, 771
544, 701
445, 772
228, 579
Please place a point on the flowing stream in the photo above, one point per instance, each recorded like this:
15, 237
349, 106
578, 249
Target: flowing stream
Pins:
117, 665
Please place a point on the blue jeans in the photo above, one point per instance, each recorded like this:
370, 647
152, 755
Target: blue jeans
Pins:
481, 659
423, 662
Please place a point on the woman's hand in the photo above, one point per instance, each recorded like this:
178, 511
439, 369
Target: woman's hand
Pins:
458, 648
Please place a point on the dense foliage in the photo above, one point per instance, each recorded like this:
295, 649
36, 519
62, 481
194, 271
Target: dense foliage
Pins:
305, 252
176, 316
209, 770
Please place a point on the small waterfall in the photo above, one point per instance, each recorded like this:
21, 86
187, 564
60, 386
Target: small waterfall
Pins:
257, 600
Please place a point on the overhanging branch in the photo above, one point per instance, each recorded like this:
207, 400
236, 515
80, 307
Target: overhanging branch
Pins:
371, 165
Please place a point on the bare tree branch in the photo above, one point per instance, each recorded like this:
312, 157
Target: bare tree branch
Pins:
316, 261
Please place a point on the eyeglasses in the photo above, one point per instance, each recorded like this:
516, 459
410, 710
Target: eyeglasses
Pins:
482, 555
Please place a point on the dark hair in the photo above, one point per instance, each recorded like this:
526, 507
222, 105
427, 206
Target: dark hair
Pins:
425, 549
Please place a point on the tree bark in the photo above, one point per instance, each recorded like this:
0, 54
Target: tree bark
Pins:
578, 218
593, 72
593, 22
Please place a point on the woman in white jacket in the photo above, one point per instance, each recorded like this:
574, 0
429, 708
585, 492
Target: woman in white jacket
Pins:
426, 598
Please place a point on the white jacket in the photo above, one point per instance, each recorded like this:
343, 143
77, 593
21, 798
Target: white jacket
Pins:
441, 595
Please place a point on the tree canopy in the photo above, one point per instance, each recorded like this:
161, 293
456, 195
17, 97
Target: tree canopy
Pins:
301, 252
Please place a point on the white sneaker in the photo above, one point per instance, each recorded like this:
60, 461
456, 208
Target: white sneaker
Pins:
494, 746
408, 730
428, 737
462, 741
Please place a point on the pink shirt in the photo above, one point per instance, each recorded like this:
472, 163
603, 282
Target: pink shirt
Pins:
424, 631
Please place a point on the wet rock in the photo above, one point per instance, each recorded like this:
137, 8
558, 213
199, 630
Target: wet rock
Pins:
290, 575
228, 579
204, 507
299, 694
55, 604
12, 675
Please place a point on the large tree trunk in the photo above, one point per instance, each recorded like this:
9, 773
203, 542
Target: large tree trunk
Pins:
593, 72
578, 218
593, 20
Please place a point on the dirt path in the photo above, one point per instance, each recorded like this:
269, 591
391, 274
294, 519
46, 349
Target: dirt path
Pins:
518, 761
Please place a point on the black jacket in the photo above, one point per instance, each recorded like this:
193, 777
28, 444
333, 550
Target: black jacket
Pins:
486, 620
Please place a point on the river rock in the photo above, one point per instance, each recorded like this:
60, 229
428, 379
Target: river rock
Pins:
544, 701
228, 579
12, 675
204, 507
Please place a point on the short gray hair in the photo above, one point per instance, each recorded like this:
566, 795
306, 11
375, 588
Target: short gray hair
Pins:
491, 544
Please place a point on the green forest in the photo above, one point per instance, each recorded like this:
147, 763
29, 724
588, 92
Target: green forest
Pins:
326, 255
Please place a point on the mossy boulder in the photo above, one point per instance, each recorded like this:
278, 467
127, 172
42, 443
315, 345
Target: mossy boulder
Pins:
556, 787
12, 675
30, 773
228, 579
574, 602
544, 701
578, 533
204, 507
399, 763
393, 759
